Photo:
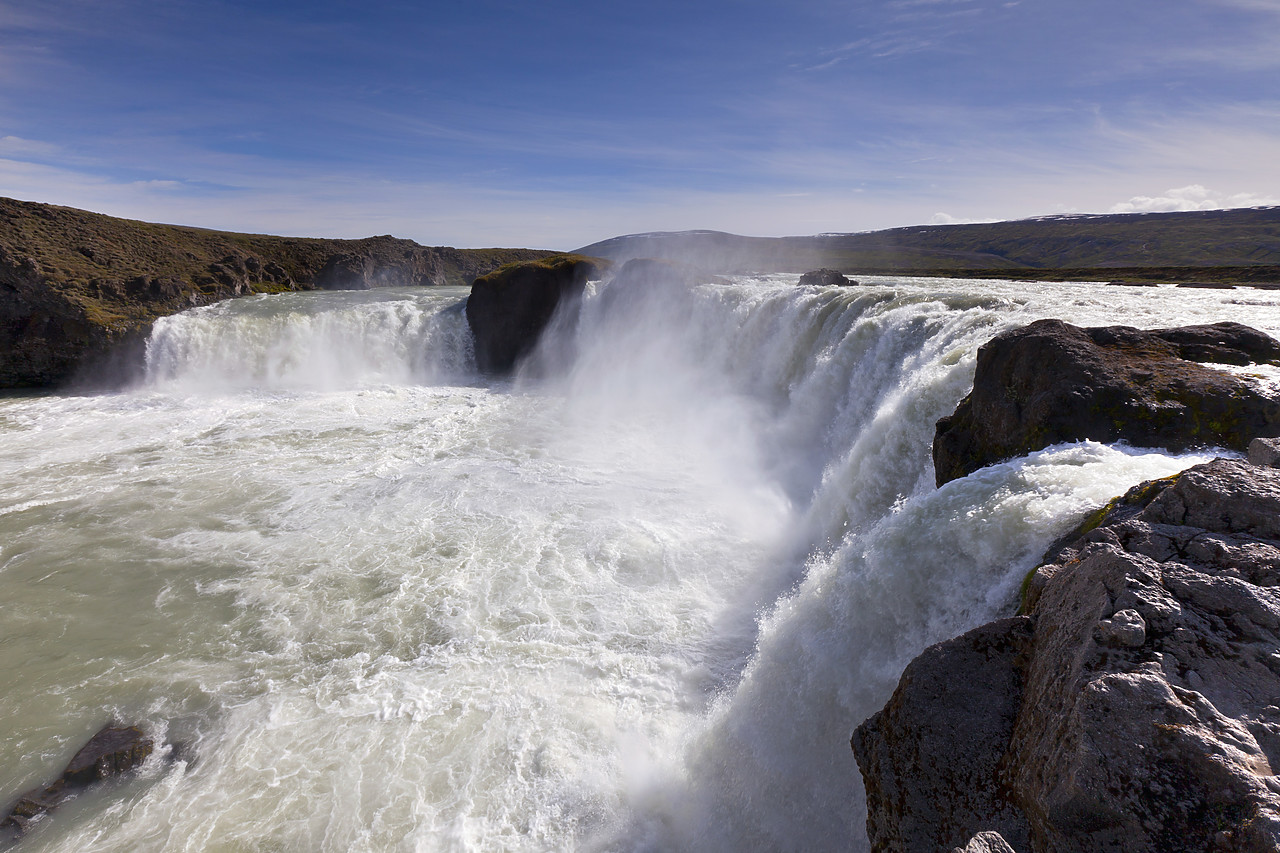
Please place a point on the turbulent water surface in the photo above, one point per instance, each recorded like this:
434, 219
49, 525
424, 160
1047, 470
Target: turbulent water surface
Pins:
634, 600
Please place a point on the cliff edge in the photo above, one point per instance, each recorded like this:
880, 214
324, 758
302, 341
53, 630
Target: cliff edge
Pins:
79, 290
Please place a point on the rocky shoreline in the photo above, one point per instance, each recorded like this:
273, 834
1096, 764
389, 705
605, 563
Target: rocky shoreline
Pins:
1134, 702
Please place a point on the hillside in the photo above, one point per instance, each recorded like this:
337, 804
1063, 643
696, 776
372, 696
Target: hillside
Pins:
1230, 245
78, 286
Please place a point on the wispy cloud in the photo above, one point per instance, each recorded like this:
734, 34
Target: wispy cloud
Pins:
1266, 6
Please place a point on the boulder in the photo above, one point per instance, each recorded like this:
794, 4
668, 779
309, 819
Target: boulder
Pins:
1144, 681
112, 751
825, 278
1052, 382
1265, 451
509, 308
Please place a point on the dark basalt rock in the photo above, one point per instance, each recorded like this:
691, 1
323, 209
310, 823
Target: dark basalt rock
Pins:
1052, 382
825, 278
509, 308
114, 750
1143, 682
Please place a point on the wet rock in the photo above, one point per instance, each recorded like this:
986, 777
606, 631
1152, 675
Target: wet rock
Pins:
509, 308
1147, 697
112, 751
825, 278
1052, 382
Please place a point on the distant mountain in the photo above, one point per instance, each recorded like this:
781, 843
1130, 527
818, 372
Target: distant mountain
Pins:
1242, 238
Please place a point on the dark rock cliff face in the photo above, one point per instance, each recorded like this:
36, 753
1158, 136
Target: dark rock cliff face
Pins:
1051, 382
509, 309
78, 290
1135, 707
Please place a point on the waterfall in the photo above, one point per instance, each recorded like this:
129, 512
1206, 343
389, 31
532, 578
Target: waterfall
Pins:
636, 598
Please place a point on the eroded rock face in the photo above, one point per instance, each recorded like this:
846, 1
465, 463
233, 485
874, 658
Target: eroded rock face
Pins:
509, 308
1147, 701
383, 262
1052, 382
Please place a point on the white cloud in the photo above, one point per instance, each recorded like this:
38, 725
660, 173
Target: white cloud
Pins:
1192, 197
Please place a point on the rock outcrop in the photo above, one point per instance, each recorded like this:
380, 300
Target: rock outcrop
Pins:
79, 290
1135, 707
509, 308
1052, 382
112, 751
825, 278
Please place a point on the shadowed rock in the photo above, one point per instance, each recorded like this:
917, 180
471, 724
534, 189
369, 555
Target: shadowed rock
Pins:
1051, 382
931, 759
509, 308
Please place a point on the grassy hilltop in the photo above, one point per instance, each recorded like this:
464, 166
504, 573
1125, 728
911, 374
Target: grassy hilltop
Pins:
1229, 246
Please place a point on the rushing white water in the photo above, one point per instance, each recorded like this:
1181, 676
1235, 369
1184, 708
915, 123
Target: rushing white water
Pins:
635, 601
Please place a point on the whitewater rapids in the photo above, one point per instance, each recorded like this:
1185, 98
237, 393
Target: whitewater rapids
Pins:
636, 599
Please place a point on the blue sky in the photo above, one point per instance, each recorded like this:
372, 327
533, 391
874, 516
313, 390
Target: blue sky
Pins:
556, 124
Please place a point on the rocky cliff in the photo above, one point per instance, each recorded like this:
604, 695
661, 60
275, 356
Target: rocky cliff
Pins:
79, 289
